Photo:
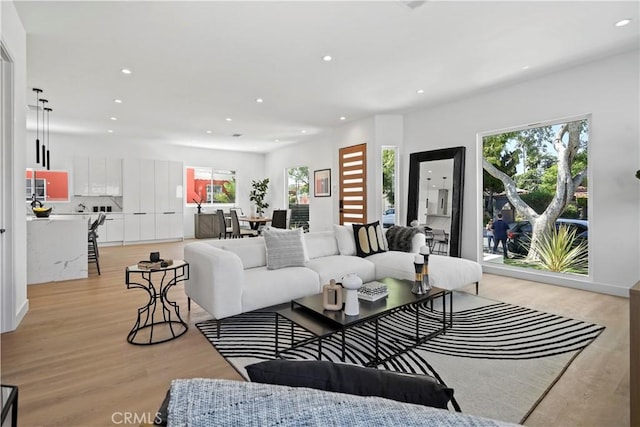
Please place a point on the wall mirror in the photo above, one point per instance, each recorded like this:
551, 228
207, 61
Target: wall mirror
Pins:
436, 186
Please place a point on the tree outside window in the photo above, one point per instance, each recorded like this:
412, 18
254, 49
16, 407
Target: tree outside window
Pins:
536, 178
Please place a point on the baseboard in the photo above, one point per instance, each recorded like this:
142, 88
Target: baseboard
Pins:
22, 312
536, 276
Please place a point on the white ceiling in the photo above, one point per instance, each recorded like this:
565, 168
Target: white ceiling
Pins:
196, 63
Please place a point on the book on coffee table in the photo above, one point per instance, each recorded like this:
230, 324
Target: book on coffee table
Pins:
372, 291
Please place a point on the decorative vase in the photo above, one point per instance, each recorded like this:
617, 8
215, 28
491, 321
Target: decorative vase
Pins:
351, 283
332, 296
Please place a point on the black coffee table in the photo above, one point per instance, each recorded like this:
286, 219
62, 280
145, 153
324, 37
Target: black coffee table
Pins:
309, 314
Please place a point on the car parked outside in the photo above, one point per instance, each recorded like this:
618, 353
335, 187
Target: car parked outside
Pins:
389, 218
519, 233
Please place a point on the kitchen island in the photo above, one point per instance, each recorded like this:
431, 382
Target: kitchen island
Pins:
56, 248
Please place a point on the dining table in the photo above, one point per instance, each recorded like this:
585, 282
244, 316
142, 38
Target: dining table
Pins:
255, 221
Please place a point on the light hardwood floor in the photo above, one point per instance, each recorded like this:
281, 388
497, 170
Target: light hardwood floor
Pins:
74, 367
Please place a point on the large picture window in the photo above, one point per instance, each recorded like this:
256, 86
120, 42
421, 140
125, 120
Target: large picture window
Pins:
47, 186
535, 197
208, 186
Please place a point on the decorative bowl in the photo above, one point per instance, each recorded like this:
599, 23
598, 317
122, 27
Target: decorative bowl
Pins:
41, 212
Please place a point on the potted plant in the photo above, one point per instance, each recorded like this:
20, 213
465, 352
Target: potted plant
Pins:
258, 194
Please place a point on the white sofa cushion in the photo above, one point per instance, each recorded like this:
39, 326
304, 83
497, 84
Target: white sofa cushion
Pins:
444, 272
285, 248
252, 252
345, 239
264, 288
337, 266
320, 244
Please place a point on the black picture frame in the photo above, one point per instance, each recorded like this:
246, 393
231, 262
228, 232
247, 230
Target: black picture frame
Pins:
322, 183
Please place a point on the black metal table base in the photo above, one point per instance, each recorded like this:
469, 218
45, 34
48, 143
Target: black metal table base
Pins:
159, 320
329, 332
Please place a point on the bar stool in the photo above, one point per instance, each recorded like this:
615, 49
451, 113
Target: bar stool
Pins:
92, 251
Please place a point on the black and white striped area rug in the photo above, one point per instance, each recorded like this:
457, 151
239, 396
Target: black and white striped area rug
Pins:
500, 359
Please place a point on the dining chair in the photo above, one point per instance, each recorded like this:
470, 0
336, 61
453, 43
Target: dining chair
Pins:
279, 218
440, 242
223, 230
236, 231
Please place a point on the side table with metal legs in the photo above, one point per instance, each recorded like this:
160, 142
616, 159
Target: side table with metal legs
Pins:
159, 320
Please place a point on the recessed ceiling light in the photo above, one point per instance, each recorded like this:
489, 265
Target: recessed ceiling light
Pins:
110, 131
113, 118
327, 58
429, 171
526, 67
209, 131
277, 140
118, 101
343, 118
125, 71
259, 100
420, 91
304, 131
623, 22
228, 119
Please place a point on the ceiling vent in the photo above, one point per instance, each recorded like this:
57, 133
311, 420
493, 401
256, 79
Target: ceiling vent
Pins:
34, 107
236, 135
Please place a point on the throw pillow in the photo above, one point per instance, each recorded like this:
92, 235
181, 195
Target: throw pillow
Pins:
369, 239
350, 379
400, 238
345, 239
285, 248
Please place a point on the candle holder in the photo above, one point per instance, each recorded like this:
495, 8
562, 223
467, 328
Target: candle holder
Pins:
418, 284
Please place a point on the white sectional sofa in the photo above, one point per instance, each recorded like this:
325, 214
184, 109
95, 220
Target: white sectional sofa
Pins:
230, 276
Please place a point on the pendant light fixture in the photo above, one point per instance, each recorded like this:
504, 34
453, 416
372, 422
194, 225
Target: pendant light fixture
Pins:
48, 110
38, 92
44, 148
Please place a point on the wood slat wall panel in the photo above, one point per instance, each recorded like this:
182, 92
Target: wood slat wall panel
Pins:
353, 159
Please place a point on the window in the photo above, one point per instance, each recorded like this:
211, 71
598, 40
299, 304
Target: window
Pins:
298, 196
530, 172
48, 186
388, 186
209, 186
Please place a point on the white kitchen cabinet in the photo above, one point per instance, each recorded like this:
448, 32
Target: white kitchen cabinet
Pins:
112, 230
113, 177
138, 198
169, 225
168, 186
139, 186
81, 176
97, 176
176, 187
139, 226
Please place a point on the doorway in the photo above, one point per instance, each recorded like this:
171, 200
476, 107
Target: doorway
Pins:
353, 184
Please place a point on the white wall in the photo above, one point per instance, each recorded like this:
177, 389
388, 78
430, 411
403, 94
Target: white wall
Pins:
609, 90
14, 40
248, 166
321, 152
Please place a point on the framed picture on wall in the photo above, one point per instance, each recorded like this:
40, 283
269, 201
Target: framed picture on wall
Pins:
322, 183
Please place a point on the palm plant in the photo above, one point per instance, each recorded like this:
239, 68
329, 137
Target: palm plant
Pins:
559, 251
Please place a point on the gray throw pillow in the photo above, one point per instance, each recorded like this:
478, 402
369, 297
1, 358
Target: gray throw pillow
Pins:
285, 248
